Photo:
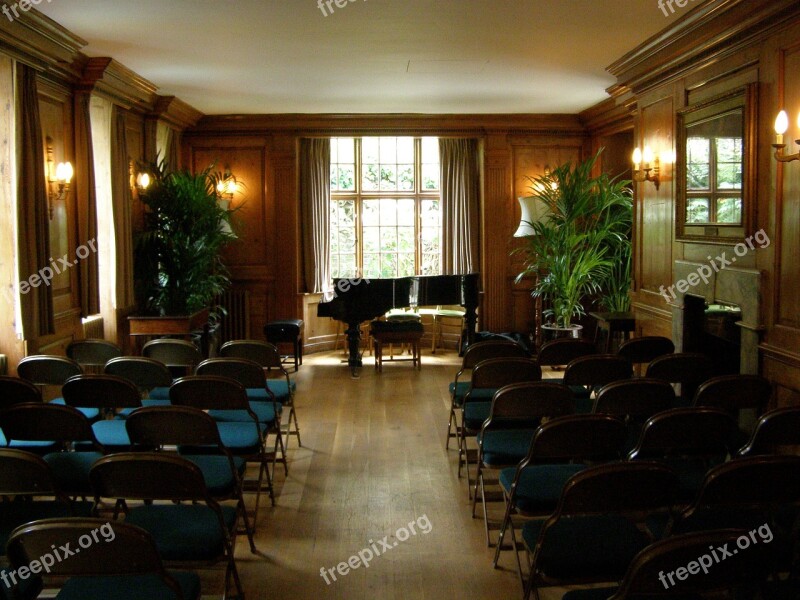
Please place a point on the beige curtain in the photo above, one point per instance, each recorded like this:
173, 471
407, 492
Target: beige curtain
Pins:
121, 207
33, 217
86, 197
460, 185
315, 202
167, 143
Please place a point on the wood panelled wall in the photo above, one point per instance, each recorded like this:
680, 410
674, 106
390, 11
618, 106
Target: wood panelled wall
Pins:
262, 151
719, 47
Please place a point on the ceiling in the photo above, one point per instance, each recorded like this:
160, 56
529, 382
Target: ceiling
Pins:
369, 56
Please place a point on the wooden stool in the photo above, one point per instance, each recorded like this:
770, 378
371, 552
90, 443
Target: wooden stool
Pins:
396, 332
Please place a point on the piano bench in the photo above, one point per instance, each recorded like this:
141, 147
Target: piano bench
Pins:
287, 331
396, 332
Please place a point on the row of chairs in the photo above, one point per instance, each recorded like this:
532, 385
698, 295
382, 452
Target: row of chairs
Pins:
178, 497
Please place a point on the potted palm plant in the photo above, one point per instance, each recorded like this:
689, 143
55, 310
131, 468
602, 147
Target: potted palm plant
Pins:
576, 246
177, 265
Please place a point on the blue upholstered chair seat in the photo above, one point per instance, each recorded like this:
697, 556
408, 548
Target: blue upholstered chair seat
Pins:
265, 412
112, 435
539, 486
36, 447
158, 393
130, 587
475, 413
90, 413
217, 472
481, 394
14, 514
125, 412
596, 547
239, 438
71, 469
506, 447
186, 532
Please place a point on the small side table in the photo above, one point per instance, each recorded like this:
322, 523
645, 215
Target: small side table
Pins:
287, 331
612, 323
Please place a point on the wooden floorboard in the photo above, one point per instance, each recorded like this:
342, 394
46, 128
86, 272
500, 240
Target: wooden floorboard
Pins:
373, 461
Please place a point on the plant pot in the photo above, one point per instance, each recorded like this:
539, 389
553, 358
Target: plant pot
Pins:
553, 332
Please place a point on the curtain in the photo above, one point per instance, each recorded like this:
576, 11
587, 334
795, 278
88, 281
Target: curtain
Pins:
460, 185
86, 197
315, 203
121, 200
167, 145
33, 217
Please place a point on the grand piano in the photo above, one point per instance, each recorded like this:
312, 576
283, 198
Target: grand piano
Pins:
358, 300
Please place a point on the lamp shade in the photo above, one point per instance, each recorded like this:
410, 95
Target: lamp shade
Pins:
533, 210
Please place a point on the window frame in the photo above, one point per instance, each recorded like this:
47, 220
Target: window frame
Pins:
359, 196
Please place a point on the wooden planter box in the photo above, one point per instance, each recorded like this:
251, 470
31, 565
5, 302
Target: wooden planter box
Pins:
143, 327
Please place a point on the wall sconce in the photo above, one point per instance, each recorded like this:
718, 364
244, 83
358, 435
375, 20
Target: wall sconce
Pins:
781, 125
227, 186
59, 178
645, 166
533, 209
143, 181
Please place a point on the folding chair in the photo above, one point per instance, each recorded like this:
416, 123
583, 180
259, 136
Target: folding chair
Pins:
180, 356
601, 508
687, 369
488, 376
652, 573
505, 437
243, 439
150, 376
476, 353
634, 401
15, 391
562, 351
47, 370
93, 354
282, 387
644, 350
735, 394
195, 534
776, 432
32, 493
249, 374
59, 429
108, 394
586, 374
690, 440
128, 567
157, 427
560, 448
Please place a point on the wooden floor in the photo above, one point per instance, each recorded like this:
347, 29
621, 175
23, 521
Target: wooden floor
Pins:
373, 460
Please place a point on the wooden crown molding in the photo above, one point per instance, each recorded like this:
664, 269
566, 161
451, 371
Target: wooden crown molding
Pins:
389, 123
706, 34
38, 41
176, 112
608, 116
119, 83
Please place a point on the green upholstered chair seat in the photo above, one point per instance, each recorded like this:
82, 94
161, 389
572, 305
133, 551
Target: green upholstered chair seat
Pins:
112, 435
130, 587
239, 438
539, 486
185, 532
265, 411
14, 514
217, 472
597, 548
480, 394
125, 412
475, 413
71, 470
27, 589
40, 448
281, 390
506, 447
158, 393
90, 413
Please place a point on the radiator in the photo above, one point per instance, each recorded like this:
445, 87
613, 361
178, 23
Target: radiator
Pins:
236, 324
93, 328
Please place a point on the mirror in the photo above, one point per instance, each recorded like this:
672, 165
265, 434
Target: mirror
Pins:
714, 182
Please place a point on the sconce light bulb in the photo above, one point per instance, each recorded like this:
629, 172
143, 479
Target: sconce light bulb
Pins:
647, 155
143, 180
637, 157
781, 123
64, 172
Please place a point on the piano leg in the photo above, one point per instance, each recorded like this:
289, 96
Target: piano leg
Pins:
470, 321
354, 345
